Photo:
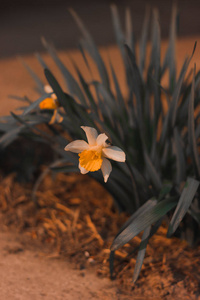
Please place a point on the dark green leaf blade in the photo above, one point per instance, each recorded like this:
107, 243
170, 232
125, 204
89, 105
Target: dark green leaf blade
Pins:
34, 104
90, 46
72, 84
143, 221
143, 40
141, 253
184, 202
37, 80
191, 130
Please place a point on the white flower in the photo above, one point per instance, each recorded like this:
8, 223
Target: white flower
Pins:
51, 103
93, 155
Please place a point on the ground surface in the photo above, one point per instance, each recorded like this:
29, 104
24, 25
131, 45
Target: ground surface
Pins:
60, 250
27, 273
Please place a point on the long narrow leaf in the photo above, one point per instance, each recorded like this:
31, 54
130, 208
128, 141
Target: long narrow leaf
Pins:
34, 104
92, 49
170, 118
143, 221
37, 80
191, 131
72, 84
169, 60
185, 200
129, 30
143, 40
180, 158
141, 253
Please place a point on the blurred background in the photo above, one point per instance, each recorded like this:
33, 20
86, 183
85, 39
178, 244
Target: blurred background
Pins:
23, 23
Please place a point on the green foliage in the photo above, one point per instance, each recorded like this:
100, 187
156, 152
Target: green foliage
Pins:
158, 165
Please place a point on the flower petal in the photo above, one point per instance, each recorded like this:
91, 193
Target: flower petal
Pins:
82, 170
101, 139
106, 168
48, 89
54, 117
114, 153
91, 134
77, 146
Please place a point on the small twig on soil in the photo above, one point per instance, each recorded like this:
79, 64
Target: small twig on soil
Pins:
94, 230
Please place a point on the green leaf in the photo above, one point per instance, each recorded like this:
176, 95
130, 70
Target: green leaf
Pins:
41, 61
92, 49
151, 170
11, 135
195, 215
164, 191
143, 40
65, 169
170, 56
136, 85
65, 103
37, 80
143, 221
25, 99
180, 158
191, 131
184, 202
121, 102
118, 30
86, 89
111, 260
34, 104
169, 121
129, 31
72, 84
140, 211
141, 253
155, 65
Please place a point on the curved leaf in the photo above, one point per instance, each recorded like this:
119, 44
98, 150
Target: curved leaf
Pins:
143, 221
191, 131
184, 202
141, 253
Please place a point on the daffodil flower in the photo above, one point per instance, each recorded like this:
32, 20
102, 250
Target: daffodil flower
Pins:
51, 103
93, 155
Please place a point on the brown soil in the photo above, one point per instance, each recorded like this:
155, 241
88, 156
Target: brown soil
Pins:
60, 249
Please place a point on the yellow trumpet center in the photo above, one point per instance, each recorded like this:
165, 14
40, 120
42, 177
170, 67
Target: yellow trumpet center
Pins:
90, 160
49, 103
